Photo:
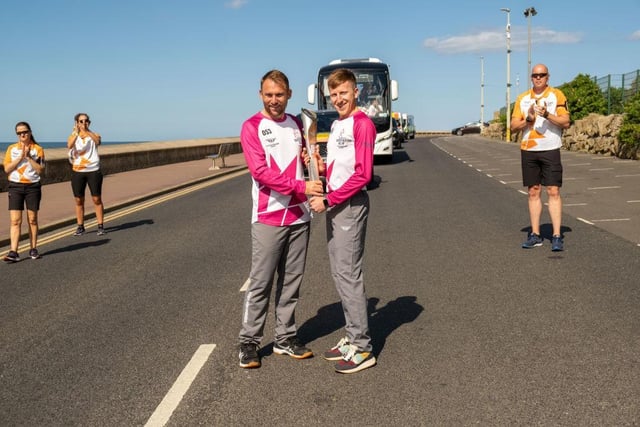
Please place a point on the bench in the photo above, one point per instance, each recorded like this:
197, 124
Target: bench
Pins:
223, 151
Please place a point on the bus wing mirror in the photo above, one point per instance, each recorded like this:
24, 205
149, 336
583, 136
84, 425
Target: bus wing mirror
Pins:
311, 94
394, 90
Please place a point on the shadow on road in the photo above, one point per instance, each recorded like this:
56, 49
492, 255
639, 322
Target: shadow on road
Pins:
128, 225
77, 246
382, 321
546, 231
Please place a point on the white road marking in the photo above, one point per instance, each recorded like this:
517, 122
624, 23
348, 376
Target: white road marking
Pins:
600, 169
633, 201
585, 221
611, 220
574, 204
604, 188
245, 286
165, 409
628, 175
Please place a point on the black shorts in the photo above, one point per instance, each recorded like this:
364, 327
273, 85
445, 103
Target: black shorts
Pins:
21, 194
541, 167
79, 181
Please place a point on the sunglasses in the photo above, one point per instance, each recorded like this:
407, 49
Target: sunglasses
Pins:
84, 121
22, 133
538, 75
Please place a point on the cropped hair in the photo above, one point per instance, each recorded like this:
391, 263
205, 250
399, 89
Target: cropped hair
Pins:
339, 76
277, 76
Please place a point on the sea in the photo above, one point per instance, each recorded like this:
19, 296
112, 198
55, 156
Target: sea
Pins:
62, 144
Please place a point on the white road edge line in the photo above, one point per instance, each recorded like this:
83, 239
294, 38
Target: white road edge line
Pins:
245, 286
172, 399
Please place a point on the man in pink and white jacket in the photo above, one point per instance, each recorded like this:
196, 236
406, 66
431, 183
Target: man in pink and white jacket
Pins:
272, 142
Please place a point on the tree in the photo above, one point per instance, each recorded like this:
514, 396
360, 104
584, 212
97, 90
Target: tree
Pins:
584, 97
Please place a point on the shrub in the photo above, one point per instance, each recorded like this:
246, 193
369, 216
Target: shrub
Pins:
629, 136
584, 97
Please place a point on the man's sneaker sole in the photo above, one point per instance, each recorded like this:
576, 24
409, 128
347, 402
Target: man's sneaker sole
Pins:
251, 365
348, 367
289, 352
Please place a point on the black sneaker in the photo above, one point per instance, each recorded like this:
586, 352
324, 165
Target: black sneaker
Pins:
79, 231
336, 352
101, 231
11, 257
33, 253
355, 360
249, 356
292, 347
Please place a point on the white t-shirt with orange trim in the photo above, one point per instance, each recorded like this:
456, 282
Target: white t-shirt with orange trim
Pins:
543, 135
84, 154
24, 173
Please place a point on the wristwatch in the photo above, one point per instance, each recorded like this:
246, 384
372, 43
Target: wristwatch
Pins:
528, 119
546, 114
326, 203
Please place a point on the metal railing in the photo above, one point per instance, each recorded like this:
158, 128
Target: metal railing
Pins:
618, 89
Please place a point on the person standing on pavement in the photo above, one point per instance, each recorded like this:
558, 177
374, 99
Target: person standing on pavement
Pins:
24, 164
348, 170
85, 160
272, 142
542, 114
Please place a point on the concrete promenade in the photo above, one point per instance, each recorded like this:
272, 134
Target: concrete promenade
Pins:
119, 190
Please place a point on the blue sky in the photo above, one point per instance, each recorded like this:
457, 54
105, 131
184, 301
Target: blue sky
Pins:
162, 69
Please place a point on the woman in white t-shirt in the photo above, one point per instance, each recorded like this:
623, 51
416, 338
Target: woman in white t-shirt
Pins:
83, 155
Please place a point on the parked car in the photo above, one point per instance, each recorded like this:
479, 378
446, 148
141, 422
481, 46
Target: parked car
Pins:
397, 134
471, 127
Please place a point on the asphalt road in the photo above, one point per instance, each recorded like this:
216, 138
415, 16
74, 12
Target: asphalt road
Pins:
468, 327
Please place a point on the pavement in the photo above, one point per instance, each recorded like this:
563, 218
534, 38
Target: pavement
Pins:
119, 190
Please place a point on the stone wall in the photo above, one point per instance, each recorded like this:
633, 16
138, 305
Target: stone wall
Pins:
594, 134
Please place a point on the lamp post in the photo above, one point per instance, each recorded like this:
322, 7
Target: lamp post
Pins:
529, 13
508, 30
482, 89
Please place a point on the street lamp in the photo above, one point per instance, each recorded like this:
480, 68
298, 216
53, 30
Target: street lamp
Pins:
482, 89
506, 9
528, 13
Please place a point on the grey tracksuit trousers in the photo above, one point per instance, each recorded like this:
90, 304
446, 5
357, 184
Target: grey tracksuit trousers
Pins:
281, 250
346, 232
